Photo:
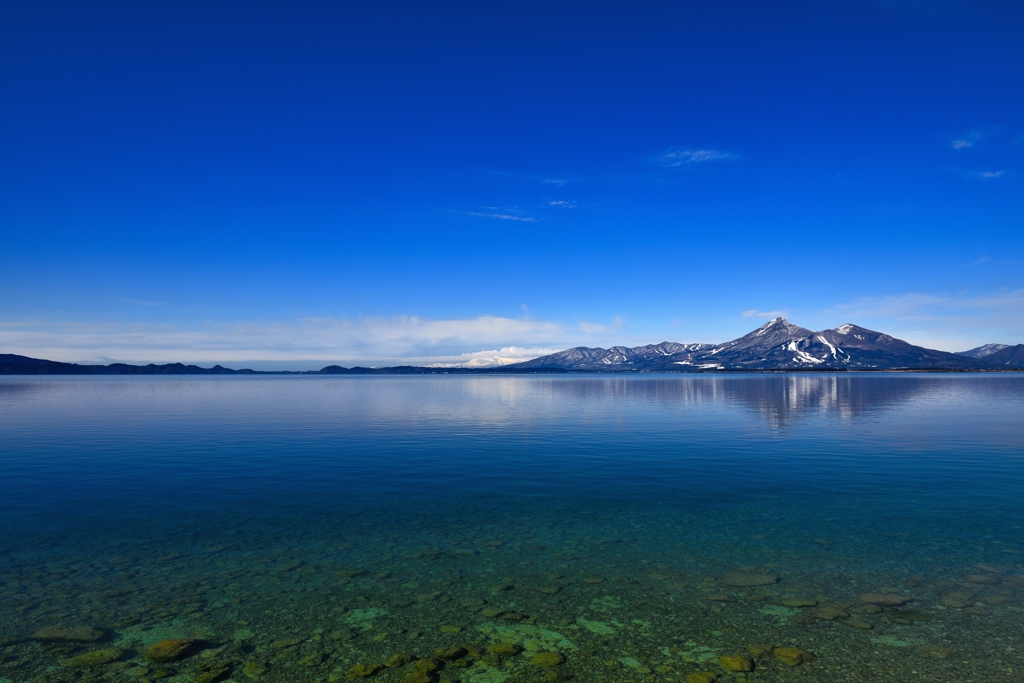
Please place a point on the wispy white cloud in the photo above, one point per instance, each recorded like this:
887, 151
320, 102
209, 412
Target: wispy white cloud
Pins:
618, 324
977, 262
767, 315
401, 339
689, 157
508, 213
972, 137
988, 175
977, 175
563, 204
545, 179
492, 358
593, 328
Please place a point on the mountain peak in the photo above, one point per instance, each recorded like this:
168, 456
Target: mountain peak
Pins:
779, 326
771, 324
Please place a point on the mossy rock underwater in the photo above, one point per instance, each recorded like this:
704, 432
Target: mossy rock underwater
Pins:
68, 634
94, 658
167, 650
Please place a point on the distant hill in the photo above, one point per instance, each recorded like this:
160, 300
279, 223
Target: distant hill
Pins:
1007, 357
11, 364
982, 351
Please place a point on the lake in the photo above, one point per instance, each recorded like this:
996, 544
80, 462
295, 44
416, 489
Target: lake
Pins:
805, 527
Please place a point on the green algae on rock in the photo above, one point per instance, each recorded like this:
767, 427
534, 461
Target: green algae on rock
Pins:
364, 670
312, 659
736, 662
504, 649
397, 660
420, 677
701, 677
792, 656
285, 643
532, 638
547, 659
167, 650
94, 658
598, 627
449, 653
254, 669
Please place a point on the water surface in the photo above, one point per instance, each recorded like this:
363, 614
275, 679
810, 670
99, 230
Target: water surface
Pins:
297, 527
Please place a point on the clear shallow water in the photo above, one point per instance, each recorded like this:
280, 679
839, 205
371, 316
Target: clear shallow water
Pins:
299, 526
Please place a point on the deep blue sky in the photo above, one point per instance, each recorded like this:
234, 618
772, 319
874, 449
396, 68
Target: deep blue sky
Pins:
380, 180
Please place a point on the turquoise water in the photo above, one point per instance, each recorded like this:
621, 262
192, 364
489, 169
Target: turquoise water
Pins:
584, 528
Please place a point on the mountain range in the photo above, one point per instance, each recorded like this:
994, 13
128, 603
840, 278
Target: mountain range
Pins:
781, 345
777, 345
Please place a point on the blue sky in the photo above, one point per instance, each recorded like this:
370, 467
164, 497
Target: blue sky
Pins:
420, 181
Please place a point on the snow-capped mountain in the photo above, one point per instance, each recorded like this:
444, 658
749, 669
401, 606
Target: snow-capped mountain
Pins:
983, 351
1007, 357
584, 358
776, 345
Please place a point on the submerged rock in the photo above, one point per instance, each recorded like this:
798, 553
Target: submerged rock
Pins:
364, 670
760, 651
547, 660
736, 663
504, 649
792, 656
828, 613
904, 616
743, 579
701, 677
94, 658
935, 651
285, 643
981, 579
956, 599
396, 661
885, 599
167, 650
448, 654
865, 609
68, 634
314, 659
254, 669
420, 677
853, 622
429, 665
799, 602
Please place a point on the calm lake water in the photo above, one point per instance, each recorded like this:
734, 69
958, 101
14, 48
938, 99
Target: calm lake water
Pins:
484, 529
